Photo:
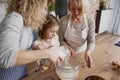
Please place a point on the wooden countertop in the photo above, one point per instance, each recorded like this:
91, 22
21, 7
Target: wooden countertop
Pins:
105, 52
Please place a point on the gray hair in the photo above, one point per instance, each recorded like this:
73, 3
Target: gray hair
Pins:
78, 3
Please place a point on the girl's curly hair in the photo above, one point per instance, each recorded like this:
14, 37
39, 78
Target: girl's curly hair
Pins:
50, 22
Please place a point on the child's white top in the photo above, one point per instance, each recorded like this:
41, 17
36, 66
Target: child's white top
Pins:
44, 44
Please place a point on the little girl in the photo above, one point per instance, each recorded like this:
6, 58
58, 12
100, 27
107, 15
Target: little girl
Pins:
48, 38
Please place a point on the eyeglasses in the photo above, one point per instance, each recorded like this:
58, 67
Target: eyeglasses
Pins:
76, 9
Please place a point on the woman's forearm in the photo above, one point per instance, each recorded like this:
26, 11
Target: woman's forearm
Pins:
88, 51
25, 57
88, 58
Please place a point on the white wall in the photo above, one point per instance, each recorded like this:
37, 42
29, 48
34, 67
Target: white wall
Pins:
115, 23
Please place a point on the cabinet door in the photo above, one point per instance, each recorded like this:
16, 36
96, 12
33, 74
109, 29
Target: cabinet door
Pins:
61, 7
103, 20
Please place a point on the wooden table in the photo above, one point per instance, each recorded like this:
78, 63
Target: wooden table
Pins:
103, 55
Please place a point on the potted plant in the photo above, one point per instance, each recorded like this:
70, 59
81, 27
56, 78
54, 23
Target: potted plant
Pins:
52, 8
103, 4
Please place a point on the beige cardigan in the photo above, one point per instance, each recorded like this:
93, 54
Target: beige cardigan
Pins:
91, 30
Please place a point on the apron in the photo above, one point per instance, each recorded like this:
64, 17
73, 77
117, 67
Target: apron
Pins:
15, 72
76, 39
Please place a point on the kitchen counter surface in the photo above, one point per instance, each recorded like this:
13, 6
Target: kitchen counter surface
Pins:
105, 52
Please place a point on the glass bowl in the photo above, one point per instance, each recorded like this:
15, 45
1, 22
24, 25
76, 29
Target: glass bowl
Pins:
68, 70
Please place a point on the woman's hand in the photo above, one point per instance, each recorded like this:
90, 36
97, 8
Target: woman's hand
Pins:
54, 56
88, 59
70, 49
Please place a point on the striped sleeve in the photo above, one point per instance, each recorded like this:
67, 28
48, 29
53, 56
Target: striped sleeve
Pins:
10, 29
63, 26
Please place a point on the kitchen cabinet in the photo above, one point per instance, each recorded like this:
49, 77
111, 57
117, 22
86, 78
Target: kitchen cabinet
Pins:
103, 20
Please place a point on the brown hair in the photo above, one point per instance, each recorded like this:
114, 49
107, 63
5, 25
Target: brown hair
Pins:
50, 22
30, 10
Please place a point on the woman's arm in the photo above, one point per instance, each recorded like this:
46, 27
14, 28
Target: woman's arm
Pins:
90, 42
91, 34
11, 28
88, 58
10, 53
61, 37
61, 31
25, 57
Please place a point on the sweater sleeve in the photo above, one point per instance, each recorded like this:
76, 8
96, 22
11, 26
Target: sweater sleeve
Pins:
63, 26
10, 29
91, 33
